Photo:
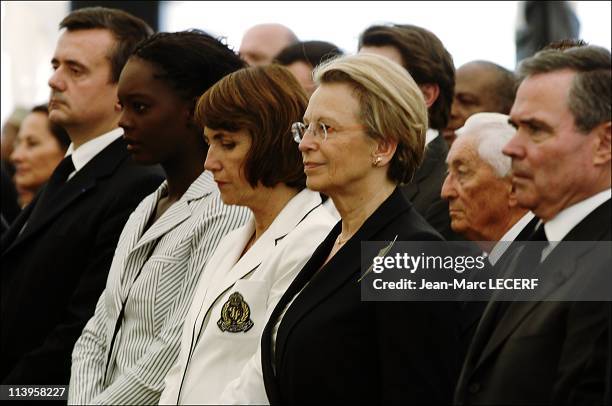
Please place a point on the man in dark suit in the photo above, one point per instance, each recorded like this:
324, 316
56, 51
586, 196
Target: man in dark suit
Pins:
57, 253
423, 55
483, 207
553, 352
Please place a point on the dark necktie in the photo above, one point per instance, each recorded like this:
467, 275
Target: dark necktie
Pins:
59, 176
531, 256
528, 260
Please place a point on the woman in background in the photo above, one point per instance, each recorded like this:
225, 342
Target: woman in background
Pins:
247, 120
363, 134
40, 146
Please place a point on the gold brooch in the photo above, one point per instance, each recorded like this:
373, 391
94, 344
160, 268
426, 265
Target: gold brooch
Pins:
381, 254
235, 315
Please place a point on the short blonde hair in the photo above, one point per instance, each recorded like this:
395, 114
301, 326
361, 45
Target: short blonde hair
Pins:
392, 106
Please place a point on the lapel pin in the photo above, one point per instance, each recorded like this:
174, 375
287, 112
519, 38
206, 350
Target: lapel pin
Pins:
382, 253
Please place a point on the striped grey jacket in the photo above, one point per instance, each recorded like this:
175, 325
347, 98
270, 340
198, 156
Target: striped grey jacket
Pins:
123, 358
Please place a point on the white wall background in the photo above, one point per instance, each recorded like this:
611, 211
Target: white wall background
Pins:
469, 29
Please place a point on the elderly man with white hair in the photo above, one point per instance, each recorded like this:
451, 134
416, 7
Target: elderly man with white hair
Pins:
482, 203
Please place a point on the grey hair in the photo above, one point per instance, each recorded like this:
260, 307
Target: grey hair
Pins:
490, 132
591, 89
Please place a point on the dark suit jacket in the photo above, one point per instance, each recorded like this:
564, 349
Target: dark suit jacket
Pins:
9, 209
424, 190
333, 347
55, 270
471, 311
543, 352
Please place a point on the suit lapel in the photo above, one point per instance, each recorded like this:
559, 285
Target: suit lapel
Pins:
309, 269
346, 267
226, 276
66, 196
515, 314
233, 245
175, 215
100, 166
10, 236
506, 261
592, 228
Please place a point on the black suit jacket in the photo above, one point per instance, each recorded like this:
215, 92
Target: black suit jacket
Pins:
55, 270
333, 347
9, 209
544, 352
471, 311
424, 190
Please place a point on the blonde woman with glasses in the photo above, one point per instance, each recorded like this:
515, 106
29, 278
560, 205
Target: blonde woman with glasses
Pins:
363, 134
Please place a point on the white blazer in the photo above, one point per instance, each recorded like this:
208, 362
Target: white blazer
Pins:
234, 297
154, 272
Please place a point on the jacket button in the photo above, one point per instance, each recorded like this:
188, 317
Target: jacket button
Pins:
474, 388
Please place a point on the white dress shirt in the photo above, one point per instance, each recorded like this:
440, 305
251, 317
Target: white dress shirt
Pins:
431, 135
503, 244
86, 152
559, 226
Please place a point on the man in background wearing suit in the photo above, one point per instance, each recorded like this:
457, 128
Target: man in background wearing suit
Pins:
553, 352
57, 253
423, 55
482, 202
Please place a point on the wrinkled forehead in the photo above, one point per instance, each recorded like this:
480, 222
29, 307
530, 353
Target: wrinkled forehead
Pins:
543, 96
463, 150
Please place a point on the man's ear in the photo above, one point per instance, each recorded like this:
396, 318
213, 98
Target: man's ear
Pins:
603, 149
512, 201
430, 91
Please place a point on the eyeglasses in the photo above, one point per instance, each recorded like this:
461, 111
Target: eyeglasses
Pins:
318, 129
300, 129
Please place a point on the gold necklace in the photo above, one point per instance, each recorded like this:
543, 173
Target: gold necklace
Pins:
339, 240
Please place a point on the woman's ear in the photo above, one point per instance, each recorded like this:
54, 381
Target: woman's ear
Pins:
385, 150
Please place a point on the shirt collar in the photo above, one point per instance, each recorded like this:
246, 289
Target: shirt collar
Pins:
431, 135
86, 152
560, 225
499, 248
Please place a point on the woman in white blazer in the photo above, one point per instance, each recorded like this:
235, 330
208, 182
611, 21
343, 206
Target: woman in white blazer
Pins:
133, 339
247, 119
